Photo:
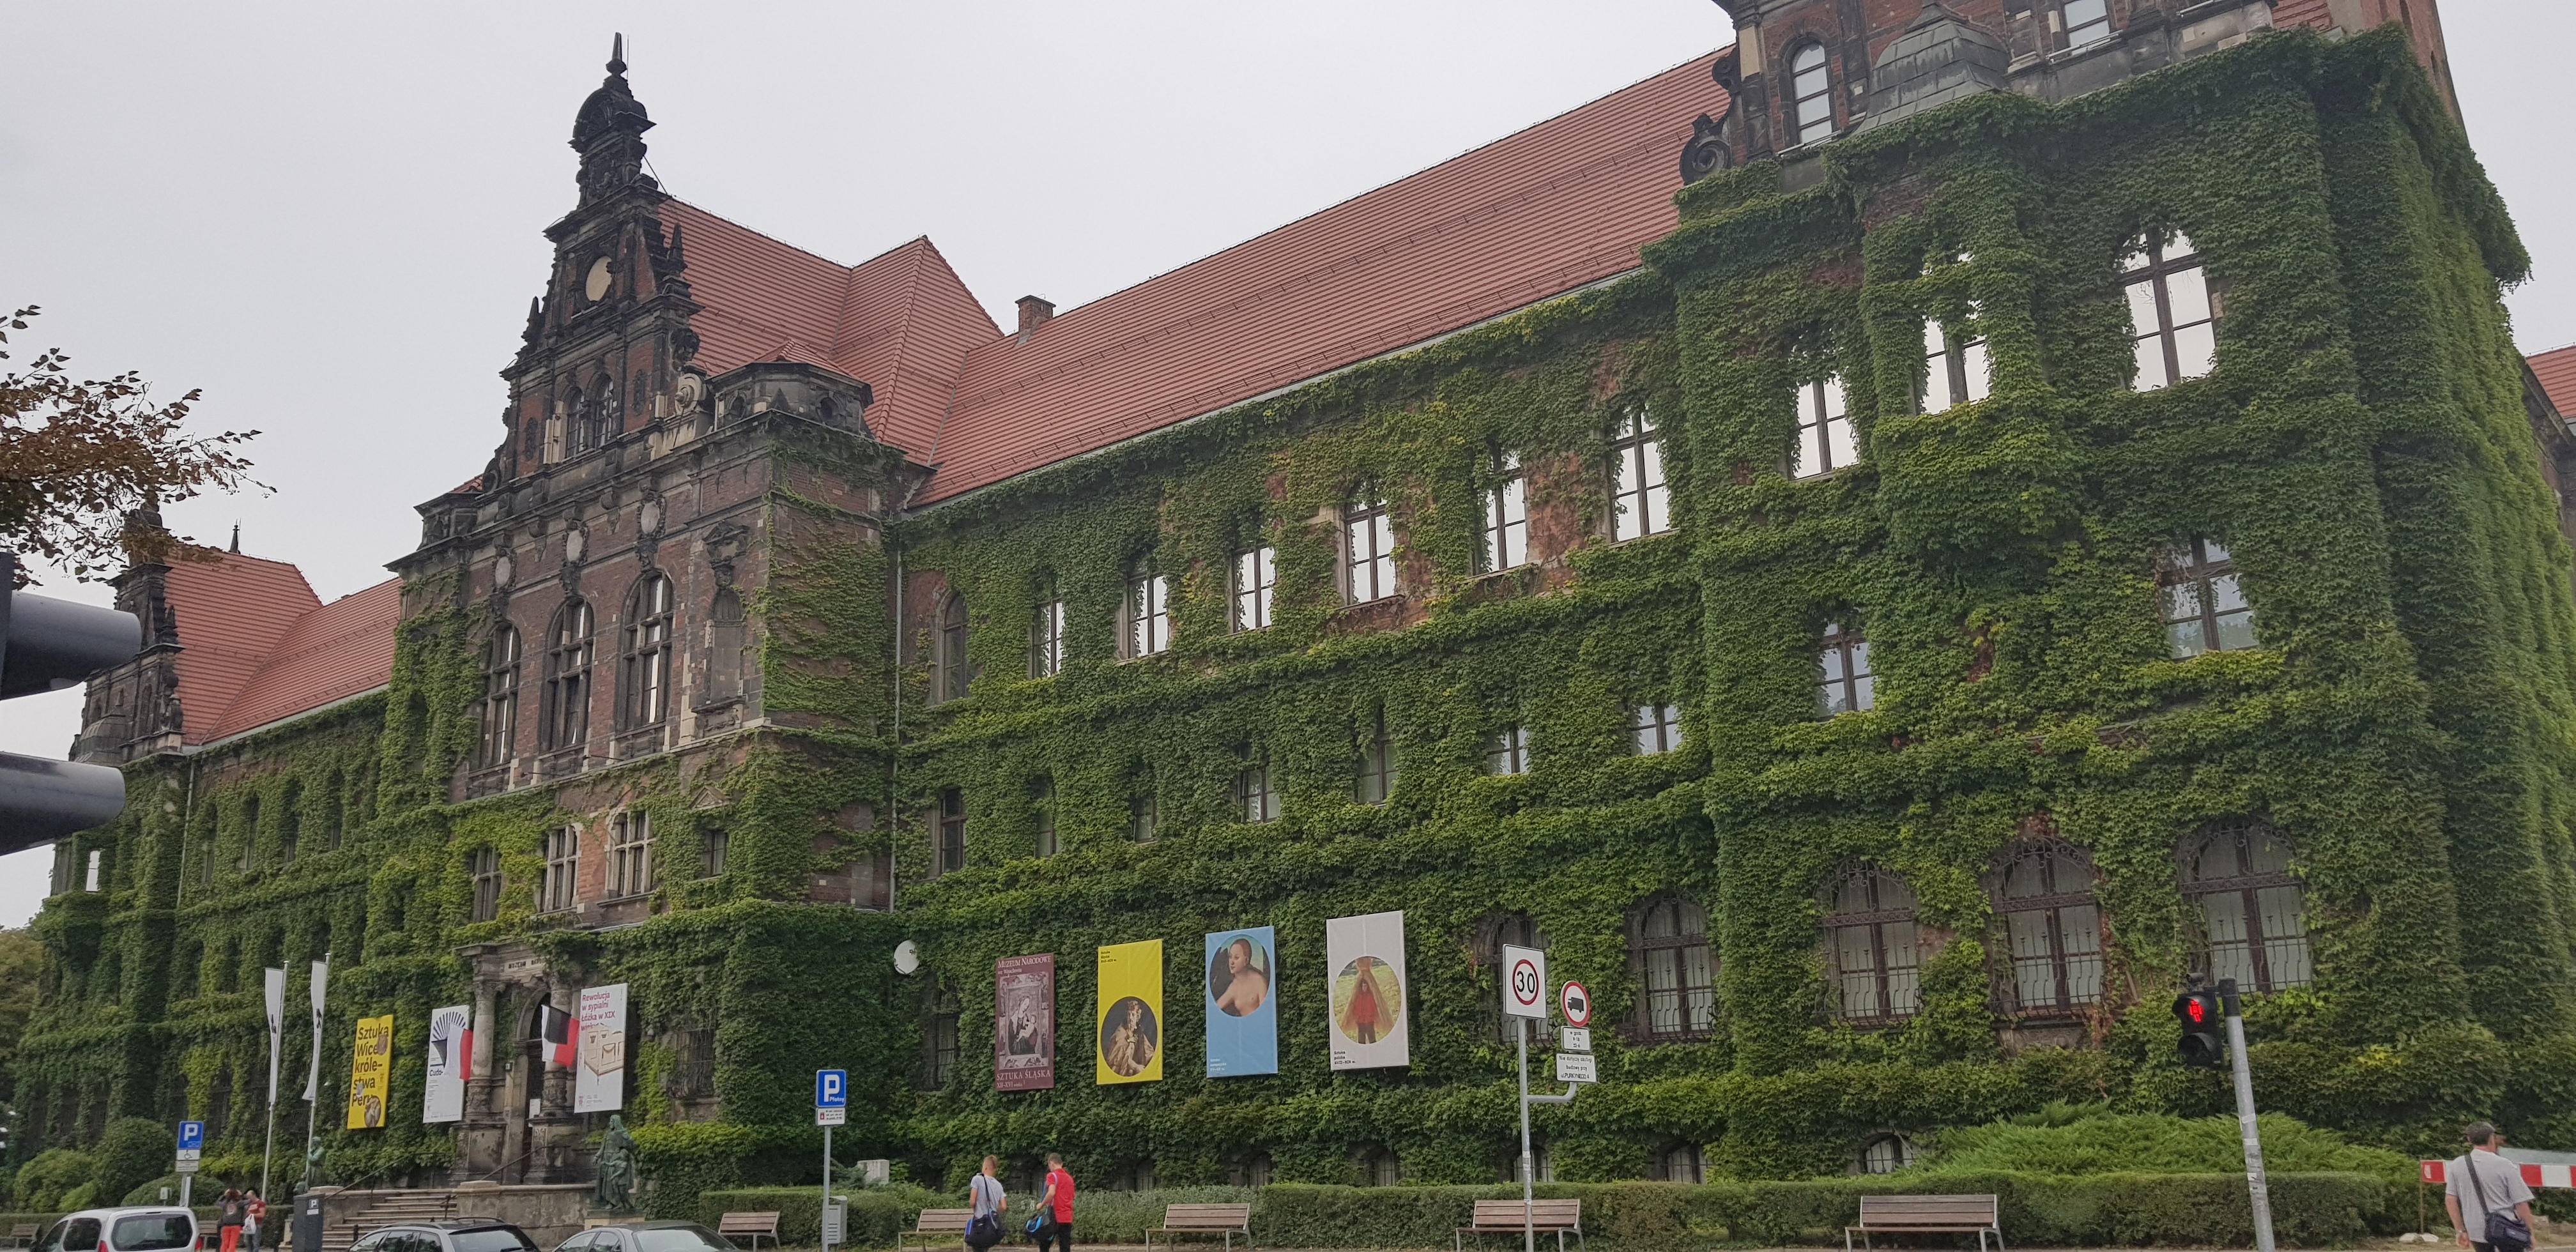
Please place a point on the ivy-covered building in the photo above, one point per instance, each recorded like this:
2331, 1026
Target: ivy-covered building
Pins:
1882, 548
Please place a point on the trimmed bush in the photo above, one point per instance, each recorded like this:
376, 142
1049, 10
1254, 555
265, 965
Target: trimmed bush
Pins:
2085, 1142
55, 1178
134, 1151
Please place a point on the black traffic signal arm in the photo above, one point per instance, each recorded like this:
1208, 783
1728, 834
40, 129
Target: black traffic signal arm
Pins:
47, 645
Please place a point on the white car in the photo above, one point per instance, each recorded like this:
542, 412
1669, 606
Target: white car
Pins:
155, 1229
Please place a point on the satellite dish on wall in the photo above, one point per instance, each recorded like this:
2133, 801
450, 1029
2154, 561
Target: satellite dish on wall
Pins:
907, 958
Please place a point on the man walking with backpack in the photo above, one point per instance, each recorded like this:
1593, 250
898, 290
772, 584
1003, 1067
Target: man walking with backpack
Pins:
2490, 1204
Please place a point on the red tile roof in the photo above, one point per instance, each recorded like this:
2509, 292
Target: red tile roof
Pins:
232, 611
336, 651
1533, 215
2556, 370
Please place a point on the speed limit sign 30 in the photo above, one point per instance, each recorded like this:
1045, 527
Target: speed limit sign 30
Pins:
1525, 982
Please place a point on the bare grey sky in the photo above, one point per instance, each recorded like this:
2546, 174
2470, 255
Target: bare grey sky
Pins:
328, 216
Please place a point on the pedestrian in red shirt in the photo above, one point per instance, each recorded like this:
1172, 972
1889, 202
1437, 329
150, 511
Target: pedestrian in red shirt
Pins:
1059, 1195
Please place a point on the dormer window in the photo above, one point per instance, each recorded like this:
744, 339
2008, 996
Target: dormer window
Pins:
2083, 22
1811, 95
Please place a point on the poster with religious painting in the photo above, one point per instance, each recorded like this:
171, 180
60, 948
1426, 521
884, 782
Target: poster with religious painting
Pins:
371, 1072
1242, 1005
599, 1079
1366, 956
451, 1062
1024, 1023
1128, 1021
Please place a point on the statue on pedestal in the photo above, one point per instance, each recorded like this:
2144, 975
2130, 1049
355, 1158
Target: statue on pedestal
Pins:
615, 1190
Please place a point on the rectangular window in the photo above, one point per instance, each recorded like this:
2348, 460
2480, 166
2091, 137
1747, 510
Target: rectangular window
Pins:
713, 843
1877, 964
2087, 22
1843, 680
872, 885
1045, 804
1377, 765
2174, 322
2204, 604
1825, 440
1368, 536
1046, 639
942, 1036
1256, 572
1681, 982
485, 865
1658, 727
1507, 751
1638, 504
1149, 615
1506, 520
563, 869
1956, 371
97, 867
1254, 797
1143, 815
630, 855
952, 830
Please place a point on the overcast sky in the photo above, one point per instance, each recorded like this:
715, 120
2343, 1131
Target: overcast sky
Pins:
328, 216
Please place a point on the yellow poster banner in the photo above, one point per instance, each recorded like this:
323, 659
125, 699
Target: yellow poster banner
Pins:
1129, 1039
373, 1073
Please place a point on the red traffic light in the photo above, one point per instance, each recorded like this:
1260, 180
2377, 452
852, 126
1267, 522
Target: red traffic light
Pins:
2195, 1010
2199, 1012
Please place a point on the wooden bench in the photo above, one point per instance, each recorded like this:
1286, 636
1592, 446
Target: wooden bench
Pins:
1506, 1217
756, 1226
1898, 1214
1205, 1219
22, 1235
936, 1222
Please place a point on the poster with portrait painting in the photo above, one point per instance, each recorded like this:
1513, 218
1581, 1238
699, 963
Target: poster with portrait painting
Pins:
1128, 1027
1024, 1023
1368, 993
1242, 1003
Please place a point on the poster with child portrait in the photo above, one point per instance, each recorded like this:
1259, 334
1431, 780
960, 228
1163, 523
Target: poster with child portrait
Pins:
1368, 991
1242, 1003
1128, 1029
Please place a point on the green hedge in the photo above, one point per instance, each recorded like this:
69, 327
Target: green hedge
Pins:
2308, 1210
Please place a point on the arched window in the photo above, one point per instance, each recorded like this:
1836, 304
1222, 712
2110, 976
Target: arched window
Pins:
1811, 95
1885, 1154
568, 657
2043, 889
644, 669
1668, 956
1875, 946
949, 673
500, 697
2252, 917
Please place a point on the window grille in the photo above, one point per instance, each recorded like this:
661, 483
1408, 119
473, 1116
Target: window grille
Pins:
1658, 727
1668, 945
1680, 1163
952, 830
1368, 535
1956, 370
563, 867
1639, 505
1507, 751
949, 655
1825, 439
1506, 517
2251, 911
1149, 615
1254, 797
1811, 93
1377, 765
485, 865
1886, 1154
941, 1036
1046, 638
1256, 574
630, 855
500, 729
2052, 924
2204, 604
646, 668
1844, 683
2174, 322
1875, 946
568, 657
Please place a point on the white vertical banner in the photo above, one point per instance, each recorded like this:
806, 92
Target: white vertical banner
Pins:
313, 1076
1368, 991
276, 1027
599, 1067
451, 1062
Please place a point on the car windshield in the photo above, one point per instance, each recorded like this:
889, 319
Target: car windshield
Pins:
490, 1239
147, 1232
680, 1239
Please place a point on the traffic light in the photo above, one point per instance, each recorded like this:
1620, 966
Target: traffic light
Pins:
46, 645
2203, 1015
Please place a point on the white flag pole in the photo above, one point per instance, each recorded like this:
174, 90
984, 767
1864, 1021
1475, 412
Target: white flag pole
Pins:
276, 1027
313, 1076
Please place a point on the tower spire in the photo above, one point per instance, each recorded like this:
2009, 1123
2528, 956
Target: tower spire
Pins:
617, 53
609, 133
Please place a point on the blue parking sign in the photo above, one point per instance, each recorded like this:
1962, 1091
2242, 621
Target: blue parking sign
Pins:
192, 1136
831, 1088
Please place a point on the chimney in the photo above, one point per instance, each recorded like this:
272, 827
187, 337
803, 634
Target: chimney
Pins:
1033, 313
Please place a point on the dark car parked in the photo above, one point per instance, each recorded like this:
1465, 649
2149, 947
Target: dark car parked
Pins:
455, 1236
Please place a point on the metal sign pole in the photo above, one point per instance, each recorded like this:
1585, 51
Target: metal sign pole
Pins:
827, 1188
1529, 1170
2245, 1124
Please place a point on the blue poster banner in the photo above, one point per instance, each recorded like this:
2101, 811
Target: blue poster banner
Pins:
1242, 1003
